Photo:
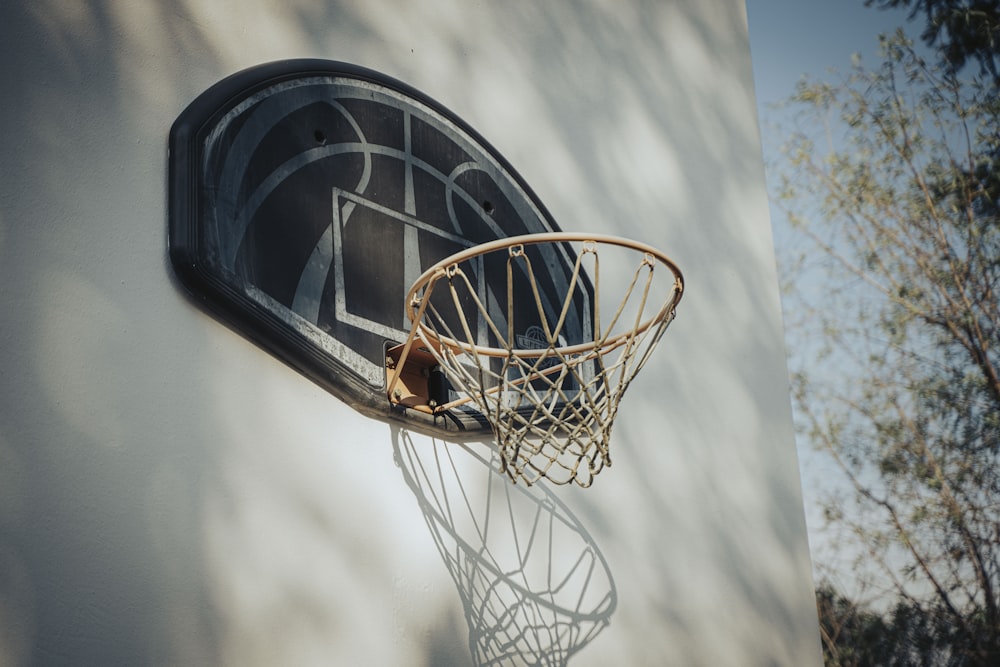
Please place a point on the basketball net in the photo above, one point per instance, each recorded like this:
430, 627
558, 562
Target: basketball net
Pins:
551, 401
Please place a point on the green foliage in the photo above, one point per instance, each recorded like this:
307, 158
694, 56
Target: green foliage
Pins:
895, 311
962, 31
907, 635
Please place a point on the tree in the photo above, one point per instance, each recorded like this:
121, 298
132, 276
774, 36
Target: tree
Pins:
896, 375
856, 636
851, 636
961, 30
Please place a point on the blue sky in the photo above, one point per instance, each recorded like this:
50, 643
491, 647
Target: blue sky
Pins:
790, 39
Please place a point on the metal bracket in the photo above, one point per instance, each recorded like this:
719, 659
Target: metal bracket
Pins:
411, 382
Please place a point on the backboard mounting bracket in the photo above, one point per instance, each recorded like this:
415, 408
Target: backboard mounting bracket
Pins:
417, 383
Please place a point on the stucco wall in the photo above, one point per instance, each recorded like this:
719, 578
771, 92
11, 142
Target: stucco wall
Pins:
171, 494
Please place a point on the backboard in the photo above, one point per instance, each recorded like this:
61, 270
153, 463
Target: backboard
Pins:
305, 198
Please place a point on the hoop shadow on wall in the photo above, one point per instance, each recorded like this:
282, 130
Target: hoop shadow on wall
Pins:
534, 585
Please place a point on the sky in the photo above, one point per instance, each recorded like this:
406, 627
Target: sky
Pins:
790, 39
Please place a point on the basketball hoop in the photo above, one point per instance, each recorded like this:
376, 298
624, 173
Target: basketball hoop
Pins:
549, 375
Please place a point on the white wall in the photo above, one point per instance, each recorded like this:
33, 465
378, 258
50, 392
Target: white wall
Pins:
170, 494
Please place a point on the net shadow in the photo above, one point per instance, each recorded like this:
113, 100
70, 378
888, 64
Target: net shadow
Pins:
535, 588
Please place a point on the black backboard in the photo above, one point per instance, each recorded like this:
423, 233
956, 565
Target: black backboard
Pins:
305, 198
